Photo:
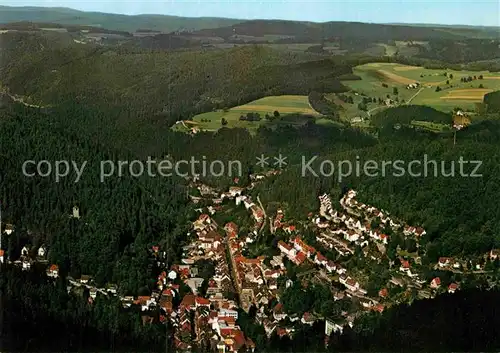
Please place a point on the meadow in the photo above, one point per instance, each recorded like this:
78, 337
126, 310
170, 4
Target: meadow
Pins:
285, 105
452, 94
378, 80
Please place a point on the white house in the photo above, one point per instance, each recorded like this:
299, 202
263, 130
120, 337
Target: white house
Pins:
320, 259
351, 236
235, 191
287, 249
240, 199
76, 212
228, 313
330, 266
351, 284
172, 275
9, 228
41, 251
332, 327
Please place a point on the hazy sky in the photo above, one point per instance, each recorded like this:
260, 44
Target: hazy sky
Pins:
473, 12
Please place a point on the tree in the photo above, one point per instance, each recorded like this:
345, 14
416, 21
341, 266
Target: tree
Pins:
276, 114
223, 121
447, 82
438, 89
395, 91
481, 86
451, 76
480, 77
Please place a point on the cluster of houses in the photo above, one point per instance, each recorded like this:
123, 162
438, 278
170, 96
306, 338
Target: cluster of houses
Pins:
29, 255
256, 282
207, 315
252, 281
354, 225
214, 324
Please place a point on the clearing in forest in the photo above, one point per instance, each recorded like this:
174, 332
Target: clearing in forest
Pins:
284, 105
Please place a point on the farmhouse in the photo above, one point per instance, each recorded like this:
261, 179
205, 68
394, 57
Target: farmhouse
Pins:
413, 85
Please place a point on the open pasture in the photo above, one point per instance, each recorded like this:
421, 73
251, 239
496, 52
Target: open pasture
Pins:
285, 105
451, 93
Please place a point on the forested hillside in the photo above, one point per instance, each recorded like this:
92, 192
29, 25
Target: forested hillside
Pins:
108, 20
314, 32
492, 102
33, 309
141, 93
120, 217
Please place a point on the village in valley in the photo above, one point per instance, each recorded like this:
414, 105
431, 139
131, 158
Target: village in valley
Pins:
345, 246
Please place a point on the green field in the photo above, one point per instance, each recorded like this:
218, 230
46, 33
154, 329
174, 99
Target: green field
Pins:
454, 94
285, 105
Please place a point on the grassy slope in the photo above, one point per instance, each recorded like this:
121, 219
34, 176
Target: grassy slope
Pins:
286, 104
396, 75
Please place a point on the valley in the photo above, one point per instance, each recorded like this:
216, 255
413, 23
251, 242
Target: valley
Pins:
254, 251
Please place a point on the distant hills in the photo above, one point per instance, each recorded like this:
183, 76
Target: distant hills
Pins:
225, 27
127, 23
317, 31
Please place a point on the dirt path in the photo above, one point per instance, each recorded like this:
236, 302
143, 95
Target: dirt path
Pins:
369, 112
20, 99
416, 94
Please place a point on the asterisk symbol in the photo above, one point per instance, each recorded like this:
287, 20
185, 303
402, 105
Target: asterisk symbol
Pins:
280, 161
262, 161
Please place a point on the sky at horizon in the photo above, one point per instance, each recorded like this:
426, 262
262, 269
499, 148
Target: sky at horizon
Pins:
478, 13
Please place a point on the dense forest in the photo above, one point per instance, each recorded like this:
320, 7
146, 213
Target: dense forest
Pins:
40, 315
466, 321
120, 217
492, 102
456, 52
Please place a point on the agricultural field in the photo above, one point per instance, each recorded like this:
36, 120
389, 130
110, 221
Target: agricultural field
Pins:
285, 105
453, 93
